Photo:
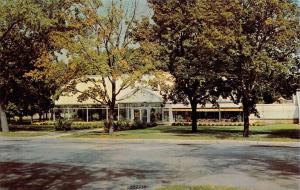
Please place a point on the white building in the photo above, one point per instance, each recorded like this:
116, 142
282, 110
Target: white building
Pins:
147, 105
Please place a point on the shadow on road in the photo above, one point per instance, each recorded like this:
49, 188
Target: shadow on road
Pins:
14, 175
19, 176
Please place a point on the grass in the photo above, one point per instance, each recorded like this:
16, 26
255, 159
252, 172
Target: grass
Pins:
202, 187
278, 132
43, 128
22, 134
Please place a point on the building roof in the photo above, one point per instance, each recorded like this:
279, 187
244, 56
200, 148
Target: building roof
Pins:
140, 93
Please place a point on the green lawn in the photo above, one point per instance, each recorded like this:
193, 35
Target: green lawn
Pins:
279, 132
22, 134
202, 187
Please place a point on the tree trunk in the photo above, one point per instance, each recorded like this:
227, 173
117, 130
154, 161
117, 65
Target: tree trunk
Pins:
111, 120
194, 116
4, 124
112, 107
246, 120
40, 116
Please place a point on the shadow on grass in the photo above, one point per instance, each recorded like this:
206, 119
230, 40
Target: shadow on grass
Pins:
216, 132
223, 133
285, 133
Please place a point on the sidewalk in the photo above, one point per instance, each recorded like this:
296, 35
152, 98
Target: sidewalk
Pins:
58, 135
191, 142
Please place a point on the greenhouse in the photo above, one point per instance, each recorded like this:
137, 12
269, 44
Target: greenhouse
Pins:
142, 103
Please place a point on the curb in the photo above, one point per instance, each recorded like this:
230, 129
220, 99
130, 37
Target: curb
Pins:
171, 141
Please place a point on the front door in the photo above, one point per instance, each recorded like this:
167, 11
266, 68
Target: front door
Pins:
144, 115
140, 115
136, 115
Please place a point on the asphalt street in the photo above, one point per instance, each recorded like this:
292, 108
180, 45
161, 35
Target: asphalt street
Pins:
36, 163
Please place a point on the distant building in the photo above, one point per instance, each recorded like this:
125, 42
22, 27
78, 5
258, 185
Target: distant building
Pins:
147, 105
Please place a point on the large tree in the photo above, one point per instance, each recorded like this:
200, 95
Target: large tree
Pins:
26, 29
261, 60
104, 46
187, 48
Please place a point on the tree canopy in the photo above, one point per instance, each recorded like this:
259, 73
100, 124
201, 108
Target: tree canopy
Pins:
104, 46
26, 29
189, 44
261, 61
239, 49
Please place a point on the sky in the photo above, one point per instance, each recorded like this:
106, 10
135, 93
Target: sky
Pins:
142, 10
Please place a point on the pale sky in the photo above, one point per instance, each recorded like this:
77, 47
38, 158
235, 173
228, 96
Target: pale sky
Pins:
142, 10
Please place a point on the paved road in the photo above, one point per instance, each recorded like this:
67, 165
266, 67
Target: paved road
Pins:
96, 164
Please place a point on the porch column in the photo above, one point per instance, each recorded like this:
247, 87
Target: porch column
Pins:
118, 112
106, 113
49, 115
127, 113
53, 114
87, 114
64, 113
141, 114
171, 120
69, 116
132, 114
148, 114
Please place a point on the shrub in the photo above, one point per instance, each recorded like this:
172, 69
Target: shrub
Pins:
180, 123
187, 124
118, 125
139, 125
44, 123
87, 125
257, 123
63, 125
123, 125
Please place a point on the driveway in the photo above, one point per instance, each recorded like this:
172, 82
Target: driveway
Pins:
37, 163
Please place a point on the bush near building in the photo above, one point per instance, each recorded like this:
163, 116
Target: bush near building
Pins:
128, 125
216, 124
67, 125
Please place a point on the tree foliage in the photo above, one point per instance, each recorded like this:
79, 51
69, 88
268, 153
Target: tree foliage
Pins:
104, 46
241, 49
26, 28
188, 44
261, 61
